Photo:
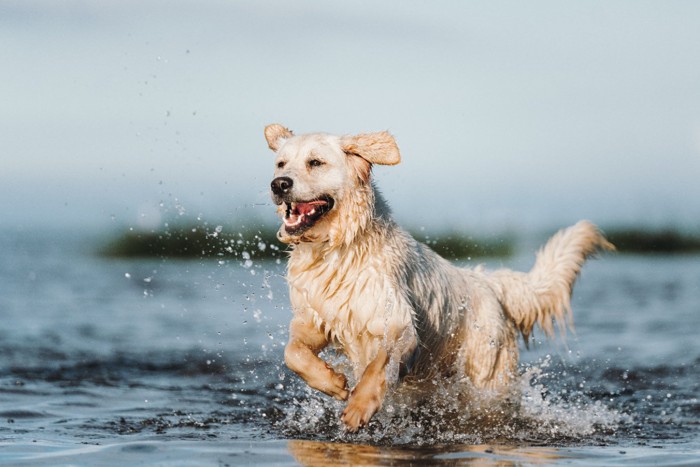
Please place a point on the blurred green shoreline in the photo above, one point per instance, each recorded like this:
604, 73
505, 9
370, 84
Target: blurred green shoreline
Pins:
196, 241
204, 241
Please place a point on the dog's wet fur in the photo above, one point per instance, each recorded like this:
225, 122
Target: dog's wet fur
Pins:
389, 303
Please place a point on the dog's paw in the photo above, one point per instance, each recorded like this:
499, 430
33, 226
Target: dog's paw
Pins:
337, 386
358, 413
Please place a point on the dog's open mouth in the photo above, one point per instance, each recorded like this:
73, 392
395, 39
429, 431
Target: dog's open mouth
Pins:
300, 216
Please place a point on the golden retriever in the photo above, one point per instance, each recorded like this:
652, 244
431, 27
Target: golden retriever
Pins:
389, 303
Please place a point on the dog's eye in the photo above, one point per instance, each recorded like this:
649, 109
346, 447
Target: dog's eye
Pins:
315, 163
280, 164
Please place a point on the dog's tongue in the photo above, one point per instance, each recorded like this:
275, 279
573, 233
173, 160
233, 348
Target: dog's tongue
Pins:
305, 208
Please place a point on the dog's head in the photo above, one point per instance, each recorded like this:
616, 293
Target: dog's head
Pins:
321, 179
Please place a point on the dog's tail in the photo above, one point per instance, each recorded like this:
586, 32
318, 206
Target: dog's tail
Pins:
543, 294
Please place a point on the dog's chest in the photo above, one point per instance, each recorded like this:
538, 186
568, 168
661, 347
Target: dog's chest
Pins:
353, 301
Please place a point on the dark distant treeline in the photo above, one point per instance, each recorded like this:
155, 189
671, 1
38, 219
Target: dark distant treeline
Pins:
654, 241
197, 241
204, 241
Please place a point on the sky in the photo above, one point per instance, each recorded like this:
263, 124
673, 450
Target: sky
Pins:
508, 114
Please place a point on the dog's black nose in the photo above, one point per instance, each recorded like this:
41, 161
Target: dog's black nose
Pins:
281, 185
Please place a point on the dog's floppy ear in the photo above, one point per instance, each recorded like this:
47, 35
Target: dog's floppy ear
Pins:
376, 148
275, 135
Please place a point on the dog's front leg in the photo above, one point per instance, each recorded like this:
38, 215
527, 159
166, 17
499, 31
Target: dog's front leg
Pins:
301, 356
367, 397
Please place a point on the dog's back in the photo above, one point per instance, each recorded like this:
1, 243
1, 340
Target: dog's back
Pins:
467, 320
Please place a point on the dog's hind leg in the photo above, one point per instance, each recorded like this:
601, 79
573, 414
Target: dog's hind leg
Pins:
489, 352
494, 367
301, 356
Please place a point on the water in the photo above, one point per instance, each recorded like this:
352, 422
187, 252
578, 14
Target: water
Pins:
180, 362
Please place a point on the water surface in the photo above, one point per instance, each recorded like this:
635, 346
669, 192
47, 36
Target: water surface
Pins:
180, 362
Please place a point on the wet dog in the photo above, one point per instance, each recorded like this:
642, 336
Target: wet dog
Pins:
388, 302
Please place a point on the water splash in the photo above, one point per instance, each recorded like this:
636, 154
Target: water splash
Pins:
452, 411
559, 413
